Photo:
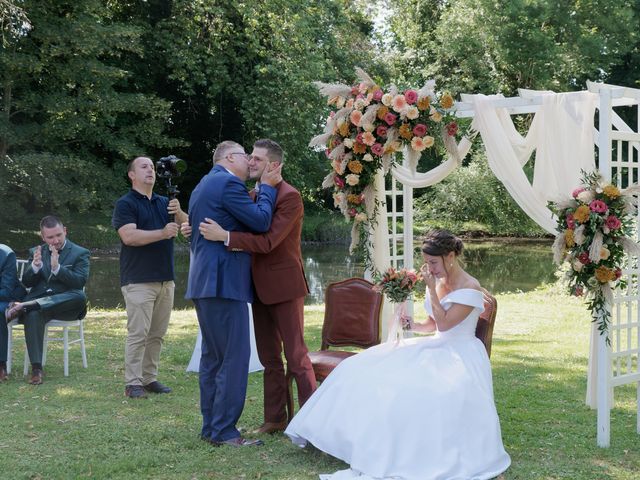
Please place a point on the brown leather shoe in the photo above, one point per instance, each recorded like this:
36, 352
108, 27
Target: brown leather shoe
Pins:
238, 442
36, 376
3, 374
272, 427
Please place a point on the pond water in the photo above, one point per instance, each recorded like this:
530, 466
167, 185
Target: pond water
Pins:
500, 266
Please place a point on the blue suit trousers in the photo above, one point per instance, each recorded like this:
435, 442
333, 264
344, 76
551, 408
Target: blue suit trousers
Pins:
224, 364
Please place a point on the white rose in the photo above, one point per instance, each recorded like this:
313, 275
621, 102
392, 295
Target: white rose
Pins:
586, 197
367, 157
352, 179
359, 104
340, 102
369, 127
413, 112
577, 265
360, 217
348, 142
387, 99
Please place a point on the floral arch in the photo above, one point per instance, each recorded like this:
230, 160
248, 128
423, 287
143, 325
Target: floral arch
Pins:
370, 125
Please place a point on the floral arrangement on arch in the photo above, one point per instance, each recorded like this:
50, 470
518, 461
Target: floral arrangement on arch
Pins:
367, 126
594, 234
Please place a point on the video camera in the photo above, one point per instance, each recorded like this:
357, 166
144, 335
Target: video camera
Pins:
166, 169
170, 166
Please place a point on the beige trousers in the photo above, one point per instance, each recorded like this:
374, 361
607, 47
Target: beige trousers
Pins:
148, 311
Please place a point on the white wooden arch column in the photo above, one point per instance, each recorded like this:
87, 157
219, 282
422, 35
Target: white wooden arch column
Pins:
609, 366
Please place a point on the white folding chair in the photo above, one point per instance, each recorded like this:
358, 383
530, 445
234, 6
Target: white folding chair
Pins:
60, 333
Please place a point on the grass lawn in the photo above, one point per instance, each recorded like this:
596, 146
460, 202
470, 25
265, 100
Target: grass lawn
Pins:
82, 426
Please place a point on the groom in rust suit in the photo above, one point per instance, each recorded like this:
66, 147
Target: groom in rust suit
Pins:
278, 277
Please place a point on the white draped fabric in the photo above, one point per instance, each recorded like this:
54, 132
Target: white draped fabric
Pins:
561, 135
254, 362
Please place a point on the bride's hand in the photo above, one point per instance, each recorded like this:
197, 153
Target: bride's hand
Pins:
429, 279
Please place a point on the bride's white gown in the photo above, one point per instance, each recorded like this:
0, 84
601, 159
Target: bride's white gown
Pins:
420, 410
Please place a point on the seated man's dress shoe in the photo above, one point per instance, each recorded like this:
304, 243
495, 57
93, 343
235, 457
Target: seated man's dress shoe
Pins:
134, 391
36, 376
238, 442
157, 387
3, 374
272, 427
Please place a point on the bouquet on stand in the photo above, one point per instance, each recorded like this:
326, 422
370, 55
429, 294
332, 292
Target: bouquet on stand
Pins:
397, 285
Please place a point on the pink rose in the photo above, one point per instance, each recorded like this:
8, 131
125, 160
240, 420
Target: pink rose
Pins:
359, 137
452, 129
571, 223
584, 258
613, 222
598, 206
381, 131
420, 130
377, 149
577, 192
390, 118
353, 212
578, 290
327, 152
411, 96
618, 273
355, 90
377, 95
338, 181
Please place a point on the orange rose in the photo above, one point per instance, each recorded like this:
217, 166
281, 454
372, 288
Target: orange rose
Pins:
354, 199
359, 147
405, 131
581, 214
611, 191
382, 111
604, 274
355, 166
424, 103
568, 238
446, 101
344, 129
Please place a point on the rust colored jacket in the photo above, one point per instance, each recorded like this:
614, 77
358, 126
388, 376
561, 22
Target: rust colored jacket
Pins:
276, 264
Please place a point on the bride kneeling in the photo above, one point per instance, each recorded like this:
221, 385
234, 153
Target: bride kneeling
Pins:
420, 410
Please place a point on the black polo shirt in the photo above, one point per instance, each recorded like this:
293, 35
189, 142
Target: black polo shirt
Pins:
148, 263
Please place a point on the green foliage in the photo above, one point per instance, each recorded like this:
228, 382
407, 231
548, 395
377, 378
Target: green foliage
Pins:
499, 46
474, 194
47, 183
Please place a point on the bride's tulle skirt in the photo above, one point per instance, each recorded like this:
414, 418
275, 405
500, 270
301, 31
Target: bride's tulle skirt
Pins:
421, 410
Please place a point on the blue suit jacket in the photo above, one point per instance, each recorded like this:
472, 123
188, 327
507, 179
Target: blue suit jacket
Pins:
10, 287
214, 271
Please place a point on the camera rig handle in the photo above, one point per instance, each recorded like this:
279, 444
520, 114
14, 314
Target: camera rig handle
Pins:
172, 192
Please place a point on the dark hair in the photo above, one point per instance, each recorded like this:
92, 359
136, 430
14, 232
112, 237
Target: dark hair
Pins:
130, 165
50, 221
274, 151
438, 243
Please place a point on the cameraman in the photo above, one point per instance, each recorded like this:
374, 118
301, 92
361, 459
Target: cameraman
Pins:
142, 219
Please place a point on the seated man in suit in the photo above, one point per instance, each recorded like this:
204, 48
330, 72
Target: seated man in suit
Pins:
10, 290
56, 275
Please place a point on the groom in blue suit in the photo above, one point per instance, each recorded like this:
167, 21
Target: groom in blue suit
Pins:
220, 287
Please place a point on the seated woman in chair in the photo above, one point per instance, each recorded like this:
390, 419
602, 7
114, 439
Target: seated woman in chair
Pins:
10, 290
420, 409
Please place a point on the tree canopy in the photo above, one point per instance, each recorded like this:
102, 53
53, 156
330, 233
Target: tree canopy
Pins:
85, 85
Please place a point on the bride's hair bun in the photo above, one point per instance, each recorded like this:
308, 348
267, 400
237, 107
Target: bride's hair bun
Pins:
439, 242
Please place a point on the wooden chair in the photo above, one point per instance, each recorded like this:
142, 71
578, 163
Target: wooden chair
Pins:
351, 318
484, 328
